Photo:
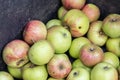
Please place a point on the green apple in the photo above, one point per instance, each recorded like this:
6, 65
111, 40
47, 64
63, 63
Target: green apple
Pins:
51, 78
104, 71
34, 72
41, 52
111, 25
78, 74
95, 33
77, 22
113, 45
111, 58
60, 38
59, 66
5, 76
76, 45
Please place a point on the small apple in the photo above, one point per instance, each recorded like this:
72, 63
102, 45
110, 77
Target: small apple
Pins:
104, 71
34, 30
76, 45
60, 38
51, 78
41, 52
73, 4
15, 53
77, 22
92, 11
34, 72
59, 66
113, 45
95, 33
78, 74
111, 25
5, 76
91, 54
111, 58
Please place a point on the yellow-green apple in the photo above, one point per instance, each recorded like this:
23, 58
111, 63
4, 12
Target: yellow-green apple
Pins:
15, 53
113, 45
5, 76
111, 58
91, 54
111, 25
41, 52
34, 72
76, 45
95, 33
92, 11
59, 66
73, 4
34, 30
104, 71
78, 74
51, 78
77, 22
60, 38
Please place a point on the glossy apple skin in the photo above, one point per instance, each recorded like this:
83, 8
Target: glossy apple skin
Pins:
34, 30
92, 11
15, 53
5, 76
59, 66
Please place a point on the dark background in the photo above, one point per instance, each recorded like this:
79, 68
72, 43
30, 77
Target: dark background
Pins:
14, 14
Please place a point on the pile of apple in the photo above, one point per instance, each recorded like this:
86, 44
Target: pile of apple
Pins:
76, 46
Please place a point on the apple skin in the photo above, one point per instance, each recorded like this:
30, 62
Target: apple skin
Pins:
59, 66
73, 4
51, 78
92, 11
76, 46
41, 52
15, 53
5, 76
111, 58
78, 74
77, 22
60, 38
34, 72
95, 33
34, 30
91, 54
104, 71
111, 25
115, 48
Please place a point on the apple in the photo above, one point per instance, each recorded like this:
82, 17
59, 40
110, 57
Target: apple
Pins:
113, 45
34, 30
59, 66
15, 53
34, 72
51, 78
91, 54
5, 76
53, 22
73, 4
41, 52
95, 33
77, 22
111, 25
104, 71
92, 11
60, 38
111, 58
78, 74
76, 45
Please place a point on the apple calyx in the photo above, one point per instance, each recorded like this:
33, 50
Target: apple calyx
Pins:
76, 73
106, 68
114, 19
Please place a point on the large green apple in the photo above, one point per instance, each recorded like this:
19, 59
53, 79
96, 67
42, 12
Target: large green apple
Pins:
41, 52
60, 38
104, 71
113, 45
76, 45
5, 76
78, 74
77, 22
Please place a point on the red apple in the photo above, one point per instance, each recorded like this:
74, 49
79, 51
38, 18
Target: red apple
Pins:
35, 30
